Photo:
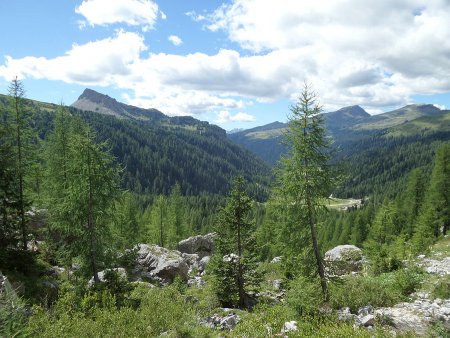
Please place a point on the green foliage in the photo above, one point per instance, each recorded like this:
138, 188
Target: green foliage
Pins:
304, 296
82, 186
379, 291
304, 179
12, 310
435, 213
160, 310
234, 264
441, 289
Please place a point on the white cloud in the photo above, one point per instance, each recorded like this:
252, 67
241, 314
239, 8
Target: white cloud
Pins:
163, 15
98, 62
225, 116
194, 16
375, 55
440, 106
176, 40
131, 12
353, 52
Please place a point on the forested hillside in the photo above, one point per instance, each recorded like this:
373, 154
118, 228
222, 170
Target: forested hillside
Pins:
376, 152
159, 151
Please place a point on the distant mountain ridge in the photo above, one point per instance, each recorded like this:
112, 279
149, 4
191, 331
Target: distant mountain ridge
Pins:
96, 102
346, 125
90, 100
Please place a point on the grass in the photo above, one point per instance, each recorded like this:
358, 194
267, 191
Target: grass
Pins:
339, 203
266, 134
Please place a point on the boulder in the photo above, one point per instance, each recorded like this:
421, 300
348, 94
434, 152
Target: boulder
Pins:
343, 260
227, 322
202, 245
102, 274
155, 263
203, 263
276, 260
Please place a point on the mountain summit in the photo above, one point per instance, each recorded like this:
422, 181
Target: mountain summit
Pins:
90, 100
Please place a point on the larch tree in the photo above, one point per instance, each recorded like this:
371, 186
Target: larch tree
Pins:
435, 211
21, 130
84, 179
304, 177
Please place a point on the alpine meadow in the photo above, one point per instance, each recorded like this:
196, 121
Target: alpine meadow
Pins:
225, 169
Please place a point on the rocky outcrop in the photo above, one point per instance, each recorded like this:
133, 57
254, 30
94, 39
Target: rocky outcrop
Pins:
227, 322
157, 264
343, 260
199, 245
416, 316
434, 266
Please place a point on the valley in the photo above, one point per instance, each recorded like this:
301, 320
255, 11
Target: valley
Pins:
131, 214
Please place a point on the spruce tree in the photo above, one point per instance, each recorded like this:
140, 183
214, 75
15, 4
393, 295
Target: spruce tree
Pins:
234, 264
304, 179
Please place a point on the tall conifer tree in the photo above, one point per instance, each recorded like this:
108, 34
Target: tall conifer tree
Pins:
304, 178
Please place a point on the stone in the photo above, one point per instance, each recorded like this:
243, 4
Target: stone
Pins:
196, 281
345, 315
200, 245
154, 263
203, 263
343, 260
229, 322
366, 321
290, 326
276, 260
102, 275
365, 310
276, 284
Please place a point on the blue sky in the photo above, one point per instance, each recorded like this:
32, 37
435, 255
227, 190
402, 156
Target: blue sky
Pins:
236, 63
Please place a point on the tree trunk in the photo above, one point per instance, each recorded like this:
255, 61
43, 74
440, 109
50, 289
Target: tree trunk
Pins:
240, 277
323, 281
91, 225
20, 171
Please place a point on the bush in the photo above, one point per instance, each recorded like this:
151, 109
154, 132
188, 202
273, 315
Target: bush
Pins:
442, 288
305, 296
160, 310
379, 291
12, 313
356, 292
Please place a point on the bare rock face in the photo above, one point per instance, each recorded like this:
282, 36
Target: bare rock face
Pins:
155, 263
343, 260
200, 245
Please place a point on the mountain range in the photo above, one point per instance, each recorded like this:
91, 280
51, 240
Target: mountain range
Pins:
158, 151
346, 126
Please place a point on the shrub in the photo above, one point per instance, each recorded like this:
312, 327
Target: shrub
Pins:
305, 296
442, 288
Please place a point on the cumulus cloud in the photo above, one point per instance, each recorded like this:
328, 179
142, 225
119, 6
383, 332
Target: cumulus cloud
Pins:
97, 62
176, 40
375, 55
352, 52
225, 116
131, 12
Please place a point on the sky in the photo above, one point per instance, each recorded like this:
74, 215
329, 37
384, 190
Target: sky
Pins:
236, 63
